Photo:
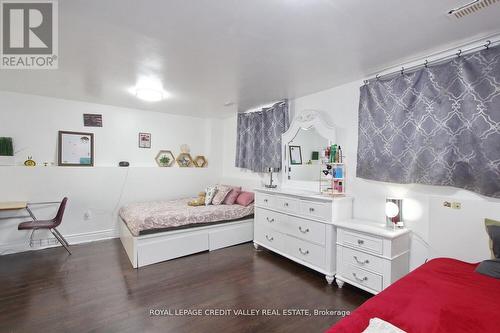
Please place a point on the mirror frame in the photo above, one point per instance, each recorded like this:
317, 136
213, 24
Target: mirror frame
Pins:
304, 120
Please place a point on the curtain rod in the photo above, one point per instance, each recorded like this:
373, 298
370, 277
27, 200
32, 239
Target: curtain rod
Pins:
265, 106
459, 52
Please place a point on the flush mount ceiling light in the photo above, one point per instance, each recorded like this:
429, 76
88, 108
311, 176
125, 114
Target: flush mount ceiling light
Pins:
149, 94
149, 88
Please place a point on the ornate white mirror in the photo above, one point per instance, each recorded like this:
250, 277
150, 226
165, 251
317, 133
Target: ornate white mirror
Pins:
302, 147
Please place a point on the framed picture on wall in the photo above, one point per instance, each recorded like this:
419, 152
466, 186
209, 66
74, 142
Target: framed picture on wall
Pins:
144, 140
92, 120
76, 149
295, 155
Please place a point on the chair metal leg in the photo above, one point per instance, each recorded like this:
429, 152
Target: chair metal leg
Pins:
32, 231
63, 242
32, 234
61, 236
31, 213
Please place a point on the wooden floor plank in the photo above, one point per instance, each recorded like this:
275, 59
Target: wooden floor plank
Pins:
96, 289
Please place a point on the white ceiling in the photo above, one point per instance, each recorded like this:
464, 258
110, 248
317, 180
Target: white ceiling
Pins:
208, 52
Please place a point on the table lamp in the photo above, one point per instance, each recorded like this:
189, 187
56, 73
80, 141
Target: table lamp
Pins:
394, 212
271, 170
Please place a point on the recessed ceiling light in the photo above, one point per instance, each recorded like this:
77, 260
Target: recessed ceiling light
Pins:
149, 95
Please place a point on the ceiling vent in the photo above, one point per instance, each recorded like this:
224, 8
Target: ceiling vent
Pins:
471, 8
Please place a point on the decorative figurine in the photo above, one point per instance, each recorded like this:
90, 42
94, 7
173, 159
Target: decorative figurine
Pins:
29, 162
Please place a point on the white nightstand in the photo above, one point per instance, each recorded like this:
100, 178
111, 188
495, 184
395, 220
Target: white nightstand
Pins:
371, 256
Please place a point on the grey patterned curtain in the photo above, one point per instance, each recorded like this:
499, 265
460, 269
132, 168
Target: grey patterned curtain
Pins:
259, 137
439, 125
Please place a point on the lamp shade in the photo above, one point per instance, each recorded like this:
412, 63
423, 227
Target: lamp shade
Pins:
391, 209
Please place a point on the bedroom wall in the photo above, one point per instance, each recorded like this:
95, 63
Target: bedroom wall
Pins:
95, 194
437, 231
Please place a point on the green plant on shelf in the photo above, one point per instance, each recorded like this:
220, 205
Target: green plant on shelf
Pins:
164, 160
6, 147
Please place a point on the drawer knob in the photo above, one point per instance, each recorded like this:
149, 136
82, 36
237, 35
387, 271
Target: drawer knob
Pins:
311, 209
286, 204
361, 242
269, 238
303, 252
363, 279
269, 220
265, 200
304, 231
361, 262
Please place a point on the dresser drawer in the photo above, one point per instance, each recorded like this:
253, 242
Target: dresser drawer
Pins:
265, 200
288, 205
362, 241
362, 277
307, 230
362, 260
317, 210
269, 237
306, 251
269, 218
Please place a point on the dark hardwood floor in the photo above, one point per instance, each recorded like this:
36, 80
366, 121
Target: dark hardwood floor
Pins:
96, 289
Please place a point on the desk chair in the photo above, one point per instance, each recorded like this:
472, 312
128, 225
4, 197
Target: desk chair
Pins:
48, 224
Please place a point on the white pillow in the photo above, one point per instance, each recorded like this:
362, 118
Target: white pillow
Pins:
378, 325
210, 194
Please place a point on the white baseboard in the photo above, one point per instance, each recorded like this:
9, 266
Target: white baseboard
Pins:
8, 248
92, 236
84, 237
7, 161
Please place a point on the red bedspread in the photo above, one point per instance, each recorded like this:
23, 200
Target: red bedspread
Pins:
443, 295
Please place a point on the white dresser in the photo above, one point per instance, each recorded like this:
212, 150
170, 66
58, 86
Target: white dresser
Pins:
300, 226
371, 256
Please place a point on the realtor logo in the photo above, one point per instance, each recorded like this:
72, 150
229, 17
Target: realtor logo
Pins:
29, 38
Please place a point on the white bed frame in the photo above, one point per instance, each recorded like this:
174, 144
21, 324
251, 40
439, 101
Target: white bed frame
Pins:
157, 247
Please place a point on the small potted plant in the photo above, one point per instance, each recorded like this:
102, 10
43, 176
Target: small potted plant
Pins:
165, 160
6, 151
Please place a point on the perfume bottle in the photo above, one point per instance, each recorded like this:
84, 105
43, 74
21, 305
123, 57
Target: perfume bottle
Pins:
339, 155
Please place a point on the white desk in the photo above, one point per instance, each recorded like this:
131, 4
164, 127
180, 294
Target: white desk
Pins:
13, 205
19, 205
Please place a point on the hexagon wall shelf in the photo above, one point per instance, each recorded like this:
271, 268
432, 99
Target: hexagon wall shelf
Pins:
200, 161
184, 160
166, 153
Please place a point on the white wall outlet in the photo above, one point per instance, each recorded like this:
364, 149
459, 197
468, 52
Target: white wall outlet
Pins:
87, 215
456, 205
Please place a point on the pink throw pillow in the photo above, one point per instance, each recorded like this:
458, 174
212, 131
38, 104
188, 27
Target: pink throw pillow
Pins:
232, 196
245, 198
